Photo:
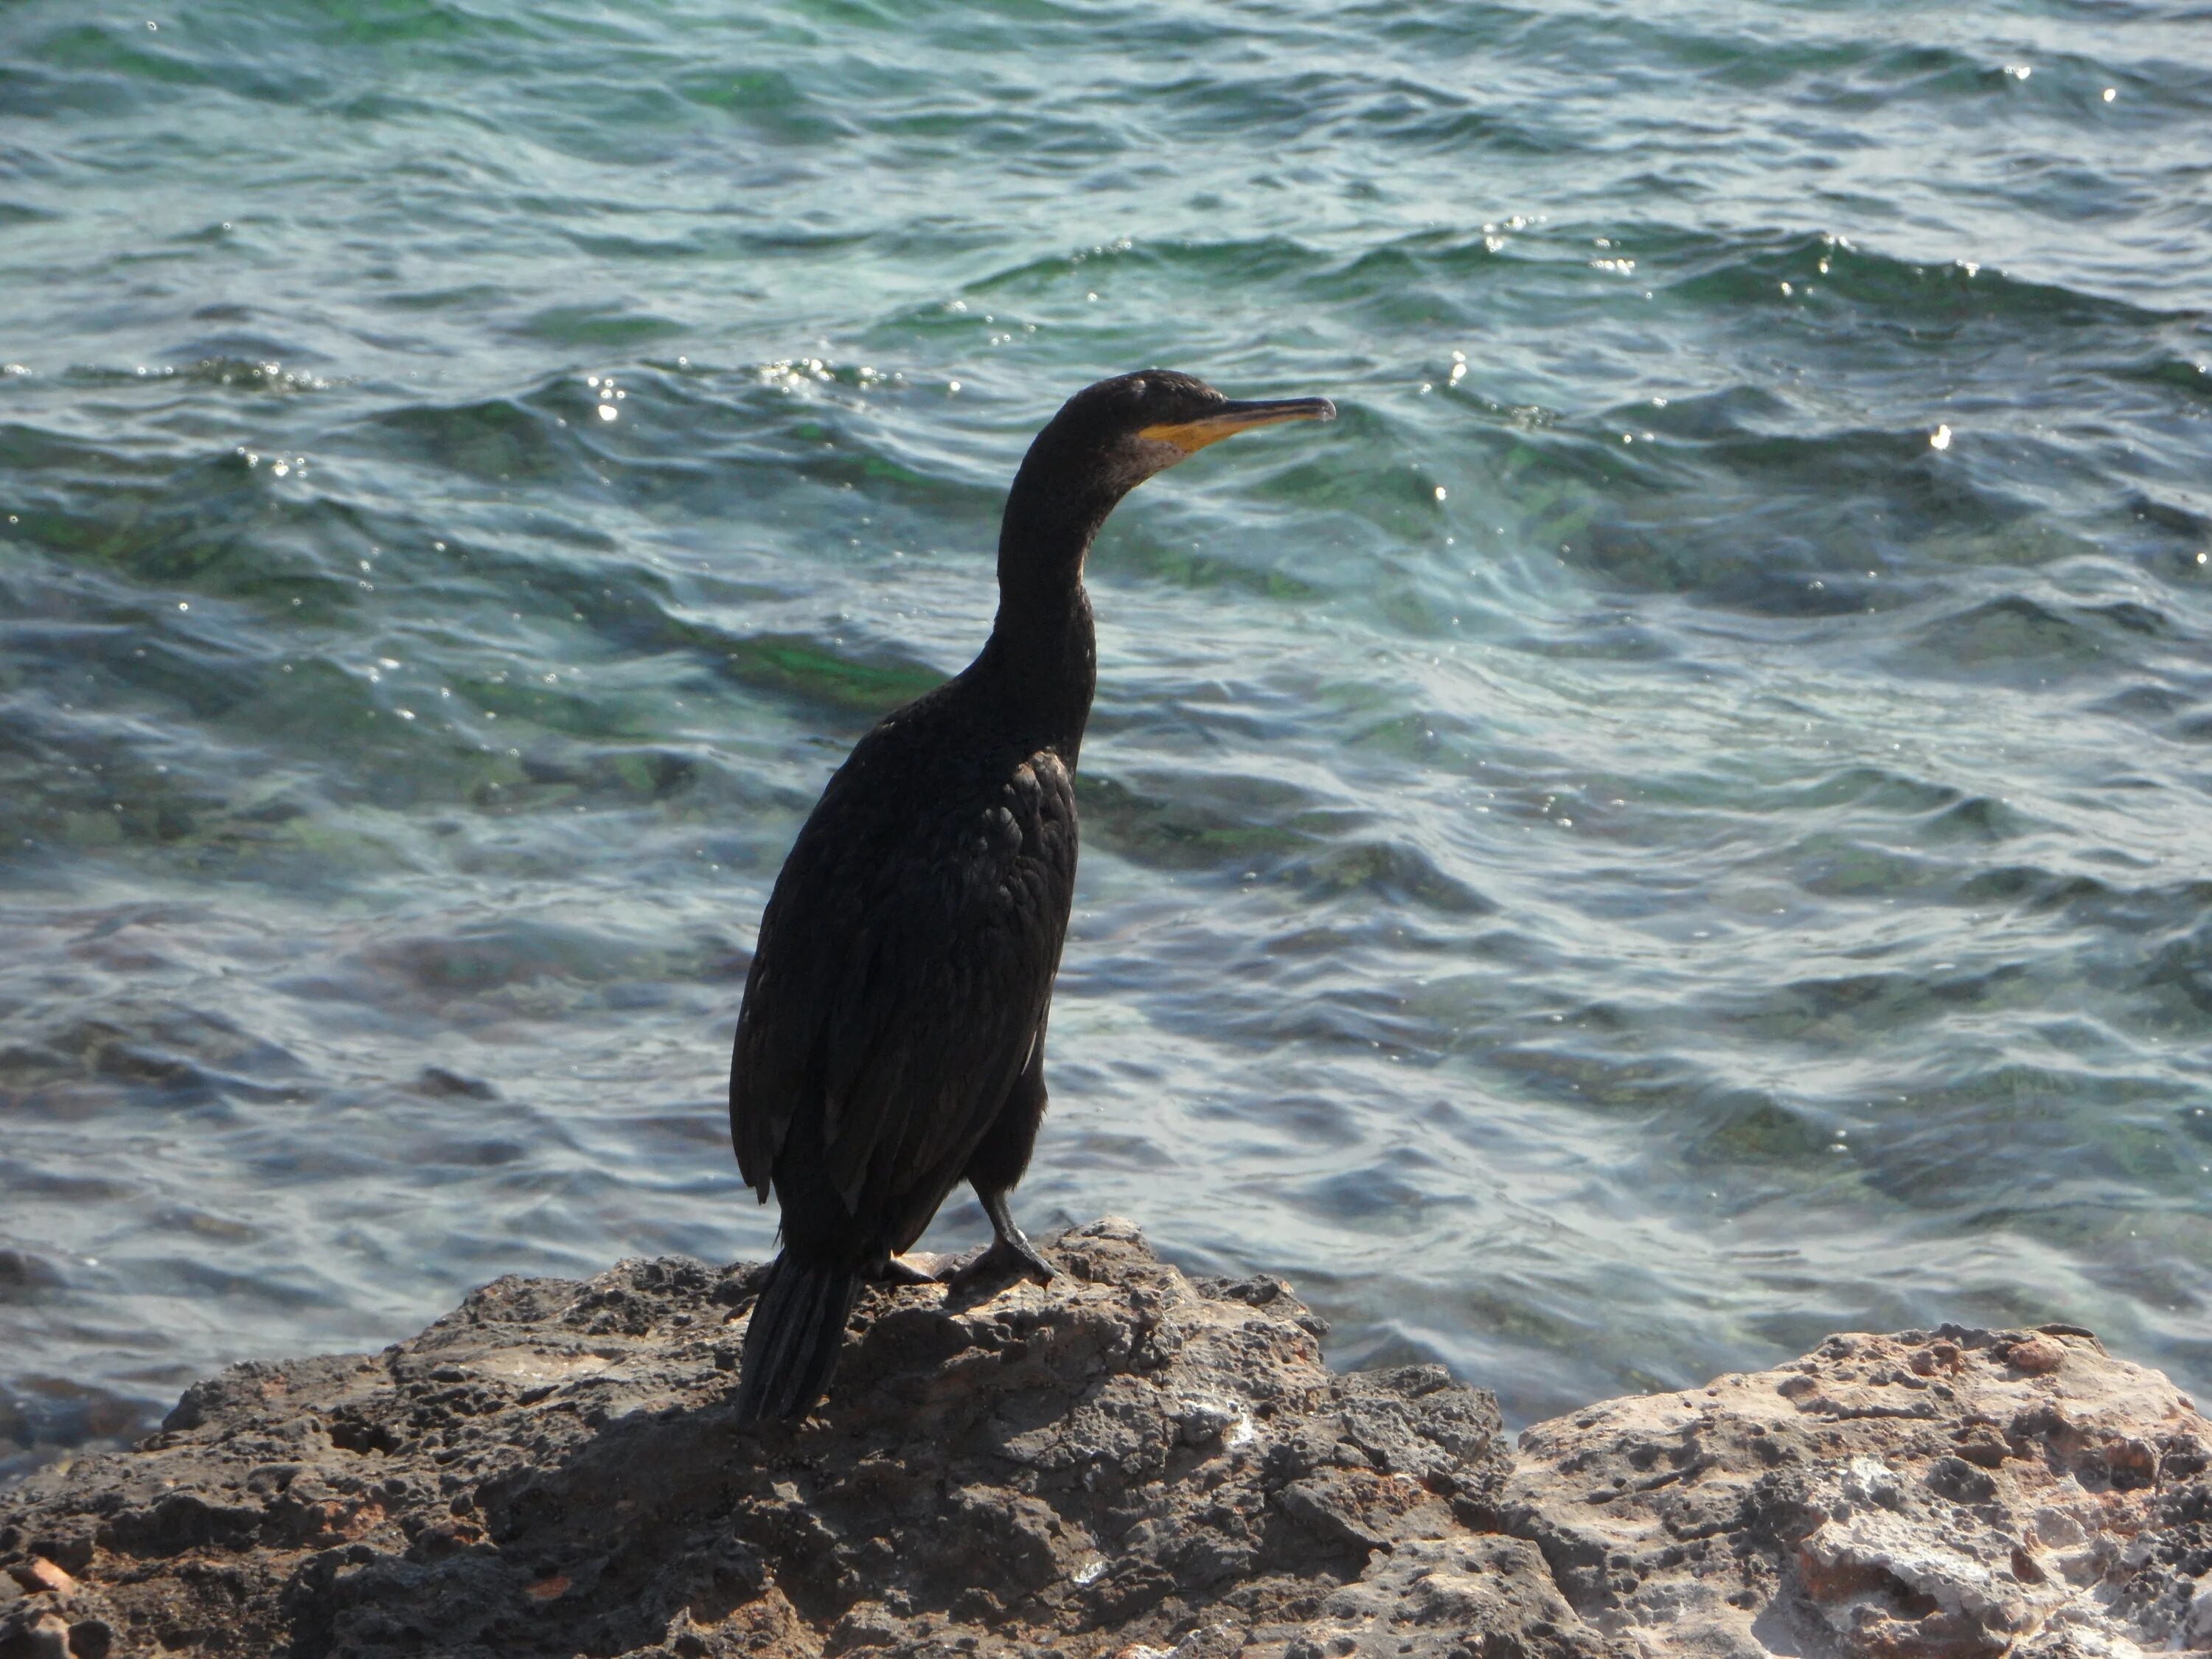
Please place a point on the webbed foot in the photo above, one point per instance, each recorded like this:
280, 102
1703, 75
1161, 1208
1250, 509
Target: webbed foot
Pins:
1011, 1252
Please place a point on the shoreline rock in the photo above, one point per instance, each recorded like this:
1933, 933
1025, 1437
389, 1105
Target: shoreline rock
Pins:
1129, 1463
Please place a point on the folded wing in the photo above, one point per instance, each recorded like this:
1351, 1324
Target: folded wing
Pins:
901, 975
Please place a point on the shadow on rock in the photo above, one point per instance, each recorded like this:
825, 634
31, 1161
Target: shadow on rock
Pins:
1128, 1464
1127, 1458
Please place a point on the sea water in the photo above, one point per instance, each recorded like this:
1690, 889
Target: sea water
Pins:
1679, 823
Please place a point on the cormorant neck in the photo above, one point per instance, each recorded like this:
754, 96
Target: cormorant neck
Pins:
1042, 646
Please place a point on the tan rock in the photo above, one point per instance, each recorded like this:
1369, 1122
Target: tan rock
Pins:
39, 1574
1883, 1497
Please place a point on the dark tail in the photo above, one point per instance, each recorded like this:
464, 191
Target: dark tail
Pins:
792, 1342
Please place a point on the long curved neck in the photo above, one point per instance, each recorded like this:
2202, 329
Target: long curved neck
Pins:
1042, 651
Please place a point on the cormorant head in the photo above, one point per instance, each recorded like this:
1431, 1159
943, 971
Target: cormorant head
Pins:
1106, 440
1110, 437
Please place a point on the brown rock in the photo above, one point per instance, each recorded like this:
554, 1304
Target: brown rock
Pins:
2035, 1355
1125, 1465
1123, 1459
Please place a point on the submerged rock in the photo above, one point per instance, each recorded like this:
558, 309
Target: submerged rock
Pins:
1129, 1463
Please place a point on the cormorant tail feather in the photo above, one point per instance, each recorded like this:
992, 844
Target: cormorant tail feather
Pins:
791, 1340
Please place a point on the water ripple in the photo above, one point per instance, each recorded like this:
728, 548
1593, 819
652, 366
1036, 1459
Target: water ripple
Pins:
1673, 826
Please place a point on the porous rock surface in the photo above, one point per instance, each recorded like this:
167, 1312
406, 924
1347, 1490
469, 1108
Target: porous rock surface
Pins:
1125, 1459
1958, 1494
1128, 1464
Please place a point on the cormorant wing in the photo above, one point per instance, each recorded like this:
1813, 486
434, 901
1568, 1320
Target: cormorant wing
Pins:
905, 963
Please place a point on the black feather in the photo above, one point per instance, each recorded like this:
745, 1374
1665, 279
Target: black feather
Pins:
891, 1042
798, 1326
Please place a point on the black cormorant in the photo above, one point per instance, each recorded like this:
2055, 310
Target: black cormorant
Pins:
891, 1040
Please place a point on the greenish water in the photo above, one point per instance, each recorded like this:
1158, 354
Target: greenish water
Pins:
1676, 825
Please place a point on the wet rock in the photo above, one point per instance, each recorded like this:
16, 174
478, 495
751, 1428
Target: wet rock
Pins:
1126, 1464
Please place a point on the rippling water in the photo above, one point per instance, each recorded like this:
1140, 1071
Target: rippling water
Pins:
1678, 825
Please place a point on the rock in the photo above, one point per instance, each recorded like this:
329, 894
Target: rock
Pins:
39, 1574
1128, 1463
39, 1636
1909, 1497
1124, 1459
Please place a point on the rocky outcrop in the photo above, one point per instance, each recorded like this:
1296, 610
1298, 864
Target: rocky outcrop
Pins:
1128, 1458
1962, 1493
1129, 1463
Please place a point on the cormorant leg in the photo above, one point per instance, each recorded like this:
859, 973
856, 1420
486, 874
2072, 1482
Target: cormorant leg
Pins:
1010, 1252
997, 1165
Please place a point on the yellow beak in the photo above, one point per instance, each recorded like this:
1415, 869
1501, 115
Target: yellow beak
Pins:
1231, 418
